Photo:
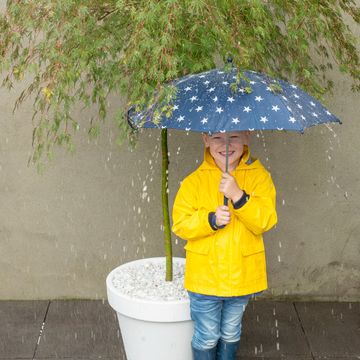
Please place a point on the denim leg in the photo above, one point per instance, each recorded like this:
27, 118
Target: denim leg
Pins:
232, 313
206, 315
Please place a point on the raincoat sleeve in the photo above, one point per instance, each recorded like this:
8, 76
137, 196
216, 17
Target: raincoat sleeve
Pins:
190, 222
259, 212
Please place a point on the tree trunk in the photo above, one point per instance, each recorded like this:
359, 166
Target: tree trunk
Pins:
165, 205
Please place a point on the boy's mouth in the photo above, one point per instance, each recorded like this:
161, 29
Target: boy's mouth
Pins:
223, 153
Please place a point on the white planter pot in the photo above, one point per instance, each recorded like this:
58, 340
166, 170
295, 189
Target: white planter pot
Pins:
152, 330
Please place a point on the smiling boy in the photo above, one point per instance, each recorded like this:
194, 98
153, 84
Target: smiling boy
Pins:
225, 256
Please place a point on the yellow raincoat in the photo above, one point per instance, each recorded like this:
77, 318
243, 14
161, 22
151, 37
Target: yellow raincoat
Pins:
228, 261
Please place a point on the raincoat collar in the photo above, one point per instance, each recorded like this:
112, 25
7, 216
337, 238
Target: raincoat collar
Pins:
246, 161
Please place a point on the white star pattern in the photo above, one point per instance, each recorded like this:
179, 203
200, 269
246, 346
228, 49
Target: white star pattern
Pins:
290, 109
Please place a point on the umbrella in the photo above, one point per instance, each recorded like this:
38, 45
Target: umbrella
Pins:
208, 103
205, 102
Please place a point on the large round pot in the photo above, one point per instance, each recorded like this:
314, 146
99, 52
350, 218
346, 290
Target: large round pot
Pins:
152, 330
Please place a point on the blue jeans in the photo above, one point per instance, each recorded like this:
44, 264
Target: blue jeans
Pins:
216, 317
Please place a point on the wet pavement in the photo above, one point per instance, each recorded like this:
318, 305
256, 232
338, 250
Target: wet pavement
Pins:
88, 330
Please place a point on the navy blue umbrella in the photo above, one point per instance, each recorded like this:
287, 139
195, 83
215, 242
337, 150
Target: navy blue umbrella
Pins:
206, 102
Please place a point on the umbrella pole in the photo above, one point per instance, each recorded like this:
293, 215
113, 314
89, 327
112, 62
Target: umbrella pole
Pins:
226, 162
165, 205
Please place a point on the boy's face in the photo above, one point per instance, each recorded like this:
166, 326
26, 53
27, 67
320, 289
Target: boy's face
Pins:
217, 147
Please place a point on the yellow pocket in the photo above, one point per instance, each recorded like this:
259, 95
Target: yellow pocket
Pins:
200, 246
253, 246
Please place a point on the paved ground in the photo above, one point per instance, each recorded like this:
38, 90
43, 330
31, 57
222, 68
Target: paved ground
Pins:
88, 330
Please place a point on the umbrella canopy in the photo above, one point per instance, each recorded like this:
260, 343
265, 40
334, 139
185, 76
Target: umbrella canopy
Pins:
206, 102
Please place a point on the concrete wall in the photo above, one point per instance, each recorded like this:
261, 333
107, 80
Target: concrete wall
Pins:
63, 231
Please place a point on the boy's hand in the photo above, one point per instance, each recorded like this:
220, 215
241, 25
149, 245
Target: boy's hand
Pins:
222, 215
230, 188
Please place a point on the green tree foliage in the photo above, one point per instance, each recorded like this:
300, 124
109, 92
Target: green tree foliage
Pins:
78, 52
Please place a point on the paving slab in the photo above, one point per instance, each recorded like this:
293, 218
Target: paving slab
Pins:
272, 330
336, 358
20, 325
82, 329
281, 357
332, 329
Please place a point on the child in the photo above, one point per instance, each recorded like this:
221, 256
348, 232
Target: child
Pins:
225, 259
